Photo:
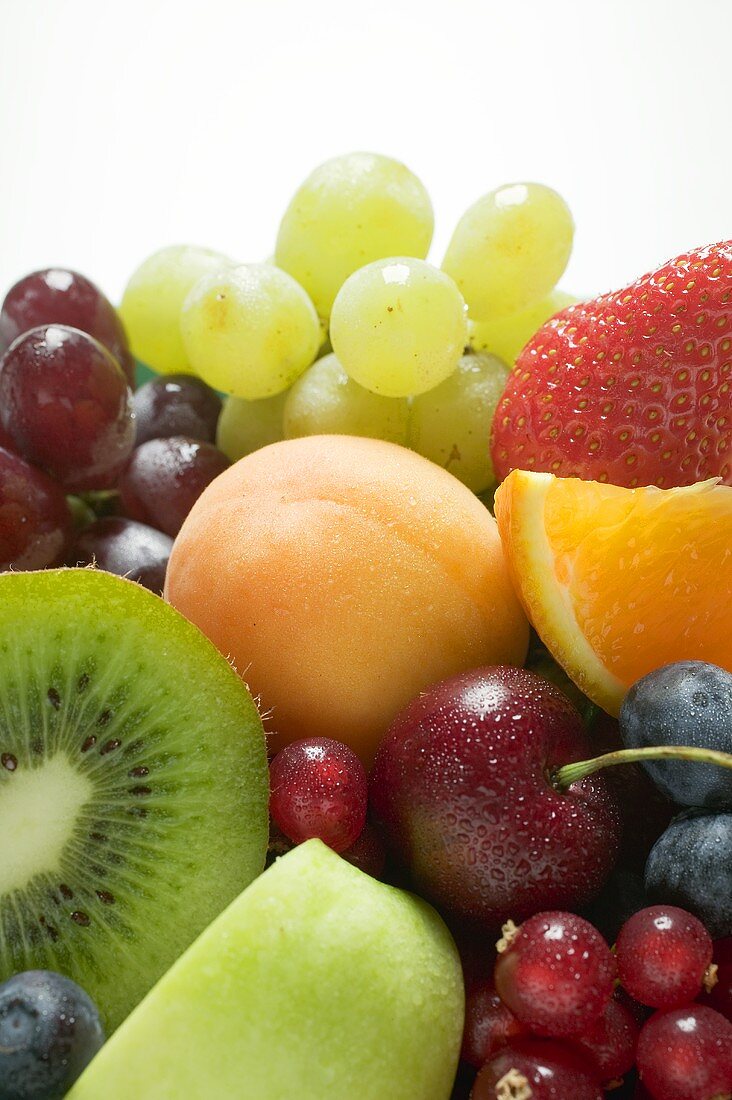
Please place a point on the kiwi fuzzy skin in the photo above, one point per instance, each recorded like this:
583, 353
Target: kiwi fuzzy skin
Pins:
106, 688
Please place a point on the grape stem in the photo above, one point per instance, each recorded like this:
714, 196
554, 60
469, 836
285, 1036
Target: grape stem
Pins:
568, 774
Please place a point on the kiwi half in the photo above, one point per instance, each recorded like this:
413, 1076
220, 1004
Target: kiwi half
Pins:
133, 783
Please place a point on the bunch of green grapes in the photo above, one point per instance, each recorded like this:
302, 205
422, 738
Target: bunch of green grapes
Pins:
325, 401
399, 326
349, 282
351, 210
152, 302
510, 249
250, 330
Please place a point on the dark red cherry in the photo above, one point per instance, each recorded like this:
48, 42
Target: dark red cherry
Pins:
463, 787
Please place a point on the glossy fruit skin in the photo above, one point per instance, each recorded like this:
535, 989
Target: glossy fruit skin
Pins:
344, 549
556, 974
610, 1044
176, 404
49, 1031
691, 866
685, 703
318, 789
489, 1025
663, 953
461, 791
165, 478
65, 402
125, 547
554, 1071
632, 387
63, 297
35, 521
686, 1054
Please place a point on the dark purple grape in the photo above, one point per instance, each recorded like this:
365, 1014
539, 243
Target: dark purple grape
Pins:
35, 521
65, 403
125, 547
165, 478
176, 404
62, 297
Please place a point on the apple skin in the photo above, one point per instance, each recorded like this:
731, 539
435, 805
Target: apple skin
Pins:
318, 982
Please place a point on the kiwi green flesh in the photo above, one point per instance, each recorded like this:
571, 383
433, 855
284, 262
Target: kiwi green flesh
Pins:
133, 783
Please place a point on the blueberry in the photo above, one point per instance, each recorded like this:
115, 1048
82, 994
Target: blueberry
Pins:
687, 703
49, 1031
690, 865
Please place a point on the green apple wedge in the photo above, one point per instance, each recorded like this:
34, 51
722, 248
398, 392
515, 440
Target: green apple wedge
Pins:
317, 983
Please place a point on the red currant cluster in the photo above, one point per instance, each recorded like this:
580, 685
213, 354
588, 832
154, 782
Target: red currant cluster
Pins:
89, 470
555, 1022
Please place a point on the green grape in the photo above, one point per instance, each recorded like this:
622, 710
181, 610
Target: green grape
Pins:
245, 426
451, 425
349, 211
325, 401
152, 302
399, 326
250, 330
510, 249
506, 336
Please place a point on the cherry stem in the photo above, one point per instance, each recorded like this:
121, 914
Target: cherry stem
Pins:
572, 773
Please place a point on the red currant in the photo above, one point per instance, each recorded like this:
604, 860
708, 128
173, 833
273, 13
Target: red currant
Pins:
663, 953
555, 973
319, 789
539, 1069
489, 1025
686, 1054
611, 1042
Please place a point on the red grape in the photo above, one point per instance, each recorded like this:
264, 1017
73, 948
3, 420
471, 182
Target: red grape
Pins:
62, 297
176, 404
65, 403
556, 974
35, 521
542, 1069
663, 953
165, 478
124, 547
686, 1054
319, 789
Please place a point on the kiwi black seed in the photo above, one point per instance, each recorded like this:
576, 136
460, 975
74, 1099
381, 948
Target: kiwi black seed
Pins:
133, 783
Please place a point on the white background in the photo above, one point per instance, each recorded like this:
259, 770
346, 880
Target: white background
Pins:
126, 126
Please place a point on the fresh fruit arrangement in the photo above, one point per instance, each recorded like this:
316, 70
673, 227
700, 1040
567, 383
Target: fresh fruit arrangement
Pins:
404, 768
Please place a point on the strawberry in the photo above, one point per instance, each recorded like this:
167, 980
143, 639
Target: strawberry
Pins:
633, 387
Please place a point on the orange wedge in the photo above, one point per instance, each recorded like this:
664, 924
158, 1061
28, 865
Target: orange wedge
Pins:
618, 582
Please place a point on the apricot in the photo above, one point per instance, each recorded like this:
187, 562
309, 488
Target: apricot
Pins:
342, 576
